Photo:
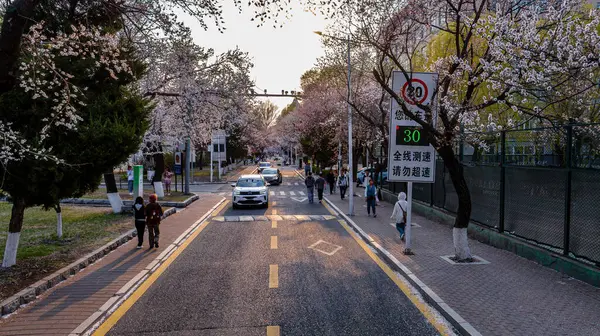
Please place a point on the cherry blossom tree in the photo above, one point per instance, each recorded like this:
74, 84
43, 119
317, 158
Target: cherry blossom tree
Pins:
520, 58
196, 92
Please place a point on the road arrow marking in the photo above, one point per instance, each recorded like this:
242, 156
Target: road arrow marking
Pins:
299, 199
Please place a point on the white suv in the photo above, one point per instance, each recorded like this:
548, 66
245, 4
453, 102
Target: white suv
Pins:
250, 190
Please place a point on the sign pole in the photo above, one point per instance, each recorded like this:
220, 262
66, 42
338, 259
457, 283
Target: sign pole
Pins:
212, 149
219, 146
407, 244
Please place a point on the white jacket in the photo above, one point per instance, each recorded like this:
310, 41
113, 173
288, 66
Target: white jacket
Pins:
401, 205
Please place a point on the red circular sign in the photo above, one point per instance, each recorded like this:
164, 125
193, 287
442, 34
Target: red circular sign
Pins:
420, 93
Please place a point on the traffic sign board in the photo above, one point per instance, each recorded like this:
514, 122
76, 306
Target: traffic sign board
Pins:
411, 157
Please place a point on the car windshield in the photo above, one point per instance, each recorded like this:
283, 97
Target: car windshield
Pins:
265, 164
249, 183
269, 171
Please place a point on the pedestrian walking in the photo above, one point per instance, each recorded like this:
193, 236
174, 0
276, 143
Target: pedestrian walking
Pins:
366, 179
139, 212
343, 184
331, 181
370, 193
399, 214
310, 187
306, 169
130, 180
166, 178
320, 182
154, 214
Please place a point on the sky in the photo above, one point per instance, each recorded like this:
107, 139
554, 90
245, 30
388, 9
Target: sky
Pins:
280, 55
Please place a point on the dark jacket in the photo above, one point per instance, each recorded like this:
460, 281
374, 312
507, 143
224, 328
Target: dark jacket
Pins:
320, 183
330, 178
139, 212
154, 214
310, 182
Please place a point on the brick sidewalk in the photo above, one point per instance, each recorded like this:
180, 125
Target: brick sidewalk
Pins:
509, 296
63, 308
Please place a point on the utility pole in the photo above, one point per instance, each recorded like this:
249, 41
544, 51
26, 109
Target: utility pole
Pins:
351, 179
188, 165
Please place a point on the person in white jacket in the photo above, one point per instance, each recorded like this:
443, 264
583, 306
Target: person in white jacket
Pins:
399, 213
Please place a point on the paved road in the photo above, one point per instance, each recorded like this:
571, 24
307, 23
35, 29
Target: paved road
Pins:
312, 279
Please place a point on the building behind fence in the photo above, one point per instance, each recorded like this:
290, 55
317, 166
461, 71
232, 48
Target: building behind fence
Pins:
541, 184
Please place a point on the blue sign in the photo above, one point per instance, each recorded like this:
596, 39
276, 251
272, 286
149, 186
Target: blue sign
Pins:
177, 169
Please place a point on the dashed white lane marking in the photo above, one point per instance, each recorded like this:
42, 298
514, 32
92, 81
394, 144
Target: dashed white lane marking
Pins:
282, 193
272, 218
302, 193
292, 193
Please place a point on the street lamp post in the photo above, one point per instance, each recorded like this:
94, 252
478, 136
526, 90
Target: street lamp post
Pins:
351, 179
349, 97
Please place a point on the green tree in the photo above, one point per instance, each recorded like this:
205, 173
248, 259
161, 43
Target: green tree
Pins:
112, 123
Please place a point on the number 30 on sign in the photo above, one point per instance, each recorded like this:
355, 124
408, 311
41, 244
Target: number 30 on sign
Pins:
410, 136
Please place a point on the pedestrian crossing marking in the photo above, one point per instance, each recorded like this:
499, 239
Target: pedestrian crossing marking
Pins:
273, 218
271, 193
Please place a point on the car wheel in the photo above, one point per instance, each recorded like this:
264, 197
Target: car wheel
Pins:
266, 205
234, 206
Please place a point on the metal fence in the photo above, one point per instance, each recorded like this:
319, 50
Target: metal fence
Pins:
542, 185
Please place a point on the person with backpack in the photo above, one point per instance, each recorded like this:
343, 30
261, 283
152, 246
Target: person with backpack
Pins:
320, 182
139, 212
343, 183
399, 214
154, 214
310, 186
370, 196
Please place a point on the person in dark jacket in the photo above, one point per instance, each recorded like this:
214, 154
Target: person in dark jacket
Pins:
154, 214
371, 197
139, 212
331, 181
310, 187
320, 182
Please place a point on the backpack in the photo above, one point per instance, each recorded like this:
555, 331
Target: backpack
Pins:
403, 213
310, 182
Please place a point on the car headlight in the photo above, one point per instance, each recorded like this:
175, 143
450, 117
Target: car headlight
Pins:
263, 192
236, 192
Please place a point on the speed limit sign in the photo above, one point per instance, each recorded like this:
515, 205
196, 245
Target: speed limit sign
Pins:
414, 91
411, 156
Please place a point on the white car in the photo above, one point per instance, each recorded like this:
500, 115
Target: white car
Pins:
250, 190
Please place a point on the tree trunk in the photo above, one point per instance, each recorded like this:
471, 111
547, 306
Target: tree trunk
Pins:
463, 213
112, 192
159, 168
16, 19
59, 228
14, 232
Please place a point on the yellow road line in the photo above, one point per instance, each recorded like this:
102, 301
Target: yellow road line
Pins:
273, 242
120, 312
441, 328
274, 203
274, 224
219, 209
273, 331
274, 212
329, 209
273, 276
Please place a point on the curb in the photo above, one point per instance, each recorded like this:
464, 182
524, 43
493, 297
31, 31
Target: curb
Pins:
112, 304
464, 327
105, 202
30, 293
